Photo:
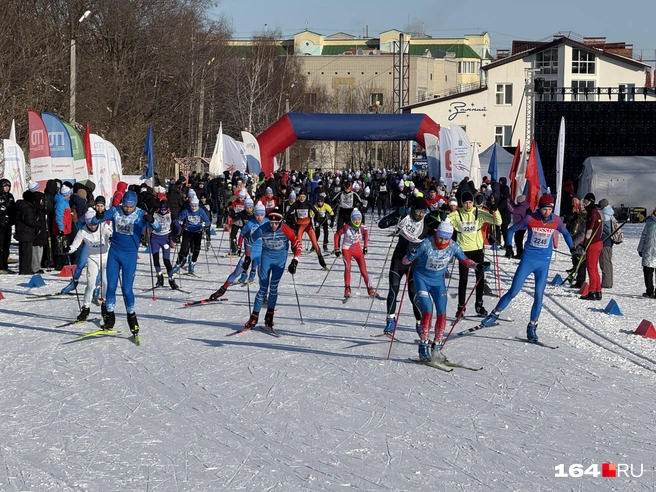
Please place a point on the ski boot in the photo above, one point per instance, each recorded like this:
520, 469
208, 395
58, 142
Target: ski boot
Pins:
103, 312
490, 319
177, 267
252, 321
531, 331
110, 321
480, 310
389, 325
133, 323
160, 280
268, 318
218, 294
242, 279
598, 296
590, 296
70, 287
347, 291
84, 313
461, 310
172, 284
251, 278
424, 351
371, 292
192, 266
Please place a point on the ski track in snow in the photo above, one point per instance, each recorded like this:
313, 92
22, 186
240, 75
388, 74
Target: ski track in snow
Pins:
320, 408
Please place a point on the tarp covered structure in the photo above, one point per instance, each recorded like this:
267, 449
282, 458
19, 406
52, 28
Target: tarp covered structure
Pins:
504, 160
629, 181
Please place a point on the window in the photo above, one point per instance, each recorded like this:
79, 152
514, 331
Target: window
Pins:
377, 96
626, 92
504, 94
421, 94
547, 61
502, 135
583, 61
466, 67
583, 90
548, 91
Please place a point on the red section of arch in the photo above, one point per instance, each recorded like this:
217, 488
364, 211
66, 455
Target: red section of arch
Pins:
427, 126
274, 140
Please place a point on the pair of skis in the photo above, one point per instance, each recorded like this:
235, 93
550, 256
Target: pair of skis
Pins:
526, 340
267, 329
97, 333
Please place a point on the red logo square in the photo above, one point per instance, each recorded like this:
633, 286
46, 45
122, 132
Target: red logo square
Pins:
608, 470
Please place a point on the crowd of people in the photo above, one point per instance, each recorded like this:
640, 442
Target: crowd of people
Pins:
266, 216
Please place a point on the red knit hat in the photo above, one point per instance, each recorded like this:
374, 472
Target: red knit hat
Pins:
546, 200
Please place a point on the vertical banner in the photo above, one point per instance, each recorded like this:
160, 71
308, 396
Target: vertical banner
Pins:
252, 150
560, 162
61, 151
512, 182
100, 161
432, 155
149, 152
492, 167
446, 170
39, 149
460, 153
15, 168
114, 165
87, 147
12, 133
216, 164
475, 168
79, 156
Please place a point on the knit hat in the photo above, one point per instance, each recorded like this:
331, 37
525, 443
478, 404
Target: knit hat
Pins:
420, 203
89, 215
33, 186
259, 209
441, 180
164, 205
401, 184
191, 194
367, 191
521, 198
356, 187
268, 190
467, 197
249, 202
445, 230
100, 199
453, 201
292, 195
302, 192
356, 214
194, 202
321, 197
242, 195
590, 197
546, 200
130, 199
603, 203
65, 190
82, 193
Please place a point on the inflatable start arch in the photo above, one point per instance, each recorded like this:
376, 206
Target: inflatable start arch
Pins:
346, 127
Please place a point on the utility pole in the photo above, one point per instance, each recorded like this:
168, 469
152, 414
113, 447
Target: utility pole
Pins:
73, 74
529, 92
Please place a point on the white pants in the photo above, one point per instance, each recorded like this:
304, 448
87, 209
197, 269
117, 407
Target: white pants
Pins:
93, 267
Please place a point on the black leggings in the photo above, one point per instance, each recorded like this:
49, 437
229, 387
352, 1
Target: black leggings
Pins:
193, 238
398, 270
478, 256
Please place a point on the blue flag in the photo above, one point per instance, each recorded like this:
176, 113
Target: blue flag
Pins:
492, 167
149, 152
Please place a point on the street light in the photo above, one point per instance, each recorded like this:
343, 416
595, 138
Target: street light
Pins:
72, 84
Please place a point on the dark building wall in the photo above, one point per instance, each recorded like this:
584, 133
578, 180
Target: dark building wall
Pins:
605, 128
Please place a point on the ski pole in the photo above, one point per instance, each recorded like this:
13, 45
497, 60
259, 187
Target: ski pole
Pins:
398, 314
327, 273
611, 233
77, 295
248, 289
578, 265
496, 263
459, 315
150, 254
298, 303
379, 279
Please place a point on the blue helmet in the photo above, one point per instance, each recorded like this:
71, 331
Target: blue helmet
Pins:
130, 199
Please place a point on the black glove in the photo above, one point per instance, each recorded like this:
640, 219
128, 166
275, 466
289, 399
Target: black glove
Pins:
332, 223
175, 239
148, 218
67, 250
337, 252
482, 266
494, 206
246, 263
365, 251
100, 215
509, 252
292, 266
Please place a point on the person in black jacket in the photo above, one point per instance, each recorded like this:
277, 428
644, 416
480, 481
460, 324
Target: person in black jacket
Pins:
7, 220
41, 233
25, 234
52, 188
175, 199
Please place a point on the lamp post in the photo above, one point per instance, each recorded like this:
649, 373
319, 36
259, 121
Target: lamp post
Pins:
72, 84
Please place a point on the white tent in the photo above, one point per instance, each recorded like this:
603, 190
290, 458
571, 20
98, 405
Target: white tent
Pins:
628, 181
504, 161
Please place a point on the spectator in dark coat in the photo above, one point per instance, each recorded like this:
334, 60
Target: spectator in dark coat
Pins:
506, 214
519, 210
175, 199
26, 226
41, 235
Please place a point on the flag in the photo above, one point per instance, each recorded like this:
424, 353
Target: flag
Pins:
12, 133
252, 149
101, 171
460, 153
560, 162
40, 169
513, 171
520, 177
432, 155
87, 147
475, 167
216, 164
149, 152
492, 167
61, 148
79, 157
446, 170
535, 177
14, 167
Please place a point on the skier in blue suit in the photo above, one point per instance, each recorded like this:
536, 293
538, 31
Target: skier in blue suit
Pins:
127, 221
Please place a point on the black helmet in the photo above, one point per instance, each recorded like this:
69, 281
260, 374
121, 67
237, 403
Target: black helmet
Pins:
5, 182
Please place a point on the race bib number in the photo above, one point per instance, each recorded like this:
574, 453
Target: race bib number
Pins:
124, 224
273, 244
302, 213
411, 230
322, 214
435, 263
383, 189
540, 237
270, 204
346, 200
467, 227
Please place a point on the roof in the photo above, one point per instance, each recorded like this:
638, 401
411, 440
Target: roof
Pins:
339, 49
247, 50
461, 50
559, 41
428, 102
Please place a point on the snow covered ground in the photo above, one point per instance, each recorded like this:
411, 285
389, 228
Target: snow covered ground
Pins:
321, 408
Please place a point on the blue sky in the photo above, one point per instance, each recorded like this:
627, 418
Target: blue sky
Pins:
505, 20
